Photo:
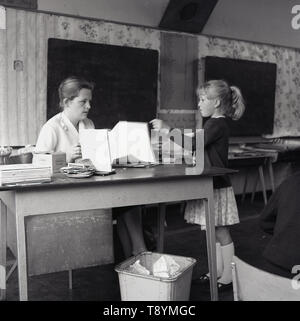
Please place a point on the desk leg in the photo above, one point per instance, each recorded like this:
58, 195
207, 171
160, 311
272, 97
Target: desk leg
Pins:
271, 174
263, 185
245, 187
254, 187
211, 247
22, 260
161, 227
3, 218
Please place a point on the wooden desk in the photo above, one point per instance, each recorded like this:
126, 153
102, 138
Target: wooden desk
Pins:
160, 184
254, 159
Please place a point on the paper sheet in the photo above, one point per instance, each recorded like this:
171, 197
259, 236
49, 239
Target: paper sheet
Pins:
165, 267
138, 268
130, 142
95, 146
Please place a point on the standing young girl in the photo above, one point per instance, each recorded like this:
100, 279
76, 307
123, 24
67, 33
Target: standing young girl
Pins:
216, 101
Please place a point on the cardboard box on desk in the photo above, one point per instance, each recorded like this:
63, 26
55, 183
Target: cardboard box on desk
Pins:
55, 160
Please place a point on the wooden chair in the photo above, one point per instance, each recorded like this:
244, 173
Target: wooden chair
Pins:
253, 284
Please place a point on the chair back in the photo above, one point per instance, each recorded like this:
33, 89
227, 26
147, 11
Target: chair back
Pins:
253, 284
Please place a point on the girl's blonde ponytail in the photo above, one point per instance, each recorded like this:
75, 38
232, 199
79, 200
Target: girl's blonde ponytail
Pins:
238, 103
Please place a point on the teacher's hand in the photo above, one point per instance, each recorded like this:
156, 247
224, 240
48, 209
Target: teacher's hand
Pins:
159, 124
76, 152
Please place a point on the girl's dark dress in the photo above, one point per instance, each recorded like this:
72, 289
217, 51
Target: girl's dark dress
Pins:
216, 141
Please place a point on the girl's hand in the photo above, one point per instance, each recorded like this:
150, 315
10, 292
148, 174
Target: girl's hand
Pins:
159, 124
76, 152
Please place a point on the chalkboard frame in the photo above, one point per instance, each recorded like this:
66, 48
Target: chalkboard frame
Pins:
125, 78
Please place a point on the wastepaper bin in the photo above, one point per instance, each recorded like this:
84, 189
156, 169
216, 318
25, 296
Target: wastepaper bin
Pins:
138, 287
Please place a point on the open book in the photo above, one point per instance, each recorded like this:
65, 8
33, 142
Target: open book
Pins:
126, 143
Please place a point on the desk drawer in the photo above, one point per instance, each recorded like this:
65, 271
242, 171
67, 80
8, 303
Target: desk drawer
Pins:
64, 241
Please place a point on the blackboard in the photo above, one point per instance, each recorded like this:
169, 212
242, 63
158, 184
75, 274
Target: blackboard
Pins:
257, 81
125, 79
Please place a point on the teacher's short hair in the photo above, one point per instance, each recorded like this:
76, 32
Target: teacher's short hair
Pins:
71, 86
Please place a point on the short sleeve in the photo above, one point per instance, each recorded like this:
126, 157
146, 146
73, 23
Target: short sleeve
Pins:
47, 140
212, 132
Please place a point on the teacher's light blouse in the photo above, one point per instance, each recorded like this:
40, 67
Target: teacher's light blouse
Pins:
59, 135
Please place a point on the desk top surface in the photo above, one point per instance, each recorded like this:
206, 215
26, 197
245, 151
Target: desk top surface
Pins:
250, 154
122, 175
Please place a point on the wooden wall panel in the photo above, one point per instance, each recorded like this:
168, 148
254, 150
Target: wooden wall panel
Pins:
179, 54
23, 57
31, 112
45, 30
11, 52
183, 119
3, 86
21, 74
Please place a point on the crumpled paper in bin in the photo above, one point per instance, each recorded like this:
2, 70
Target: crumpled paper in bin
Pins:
138, 268
165, 267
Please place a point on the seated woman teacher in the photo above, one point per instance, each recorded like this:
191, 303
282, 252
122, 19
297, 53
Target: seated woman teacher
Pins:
61, 133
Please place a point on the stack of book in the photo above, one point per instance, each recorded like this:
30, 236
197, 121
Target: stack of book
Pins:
24, 174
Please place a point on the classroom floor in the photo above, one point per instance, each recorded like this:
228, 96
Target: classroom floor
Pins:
101, 283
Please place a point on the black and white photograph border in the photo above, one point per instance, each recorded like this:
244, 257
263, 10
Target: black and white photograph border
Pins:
67, 66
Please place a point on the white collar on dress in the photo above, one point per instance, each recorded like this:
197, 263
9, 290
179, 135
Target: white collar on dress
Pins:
66, 123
